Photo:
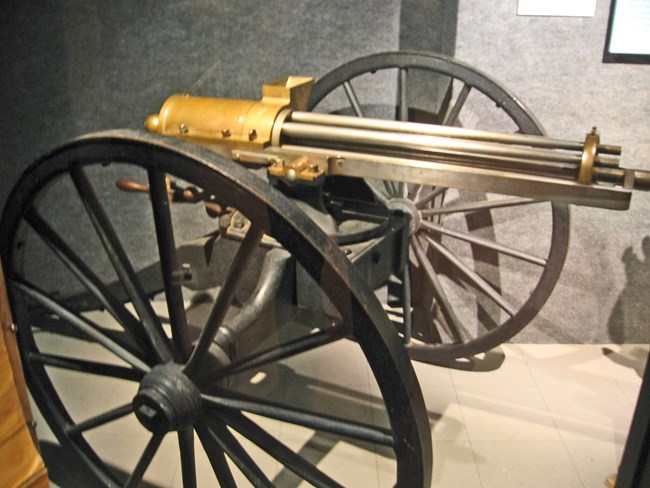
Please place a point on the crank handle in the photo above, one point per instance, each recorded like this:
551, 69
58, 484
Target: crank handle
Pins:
175, 194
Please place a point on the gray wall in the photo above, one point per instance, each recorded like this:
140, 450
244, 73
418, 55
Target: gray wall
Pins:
554, 65
76, 66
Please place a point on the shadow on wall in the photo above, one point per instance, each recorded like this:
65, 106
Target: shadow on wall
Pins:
629, 321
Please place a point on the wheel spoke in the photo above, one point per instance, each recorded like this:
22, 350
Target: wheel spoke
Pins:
452, 115
352, 96
231, 446
437, 191
314, 421
82, 324
403, 95
145, 460
478, 206
430, 227
390, 188
413, 191
224, 299
99, 420
294, 462
473, 276
453, 323
403, 116
395, 189
379, 190
406, 301
216, 456
169, 262
188, 463
88, 278
282, 351
84, 366
120, 261
47, 322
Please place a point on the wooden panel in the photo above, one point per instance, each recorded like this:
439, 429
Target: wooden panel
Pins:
21, 463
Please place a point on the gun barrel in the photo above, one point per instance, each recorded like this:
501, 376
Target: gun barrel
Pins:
301, 146
589, 170
516, 152
444, 131
475, 153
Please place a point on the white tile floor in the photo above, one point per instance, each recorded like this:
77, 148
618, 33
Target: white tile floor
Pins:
550, 416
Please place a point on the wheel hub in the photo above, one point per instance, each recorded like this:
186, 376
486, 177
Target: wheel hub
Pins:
408, 208
167, 400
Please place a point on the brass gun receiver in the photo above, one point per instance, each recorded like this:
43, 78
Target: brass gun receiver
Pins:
299, 146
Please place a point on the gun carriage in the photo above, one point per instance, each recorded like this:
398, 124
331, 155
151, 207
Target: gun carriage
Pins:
263, 263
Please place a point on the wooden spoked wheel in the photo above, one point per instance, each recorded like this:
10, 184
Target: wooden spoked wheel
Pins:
136, 389
481, 265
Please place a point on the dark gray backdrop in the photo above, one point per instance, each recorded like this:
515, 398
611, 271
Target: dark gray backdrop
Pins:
72, 67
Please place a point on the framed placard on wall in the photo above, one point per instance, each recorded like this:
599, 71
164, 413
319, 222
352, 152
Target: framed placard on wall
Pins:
628, 32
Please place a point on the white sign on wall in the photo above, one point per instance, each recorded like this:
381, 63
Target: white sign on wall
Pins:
557, 8
628, 32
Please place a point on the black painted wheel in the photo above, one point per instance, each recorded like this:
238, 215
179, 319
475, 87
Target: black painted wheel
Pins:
114, 366
481, 265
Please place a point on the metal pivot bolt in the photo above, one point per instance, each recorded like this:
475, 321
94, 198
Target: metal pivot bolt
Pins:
183, 275
238, 222
300, 168
225, 132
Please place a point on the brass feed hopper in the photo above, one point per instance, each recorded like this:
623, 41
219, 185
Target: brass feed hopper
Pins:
239, 123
